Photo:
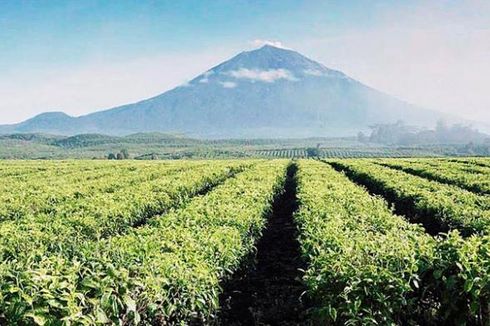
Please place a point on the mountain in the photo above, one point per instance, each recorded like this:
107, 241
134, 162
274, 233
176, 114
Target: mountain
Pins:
58, 123
267, 92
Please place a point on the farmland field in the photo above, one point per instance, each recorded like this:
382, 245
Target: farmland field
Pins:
252, 241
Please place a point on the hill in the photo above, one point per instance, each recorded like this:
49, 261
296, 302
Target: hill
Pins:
165, 146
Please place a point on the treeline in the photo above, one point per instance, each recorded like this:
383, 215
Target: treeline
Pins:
401, 134
122, 155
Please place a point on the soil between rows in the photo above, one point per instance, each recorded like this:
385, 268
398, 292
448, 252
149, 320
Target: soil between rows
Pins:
269, 292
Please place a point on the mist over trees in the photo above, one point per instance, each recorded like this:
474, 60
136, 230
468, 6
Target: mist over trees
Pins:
400, 133
122, 155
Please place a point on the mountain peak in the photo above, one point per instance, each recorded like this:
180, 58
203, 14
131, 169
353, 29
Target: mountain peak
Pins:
51, 115
57, 114
272, 47
265, 64
265, 92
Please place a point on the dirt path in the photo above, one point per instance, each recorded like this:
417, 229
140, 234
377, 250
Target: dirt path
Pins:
269, 292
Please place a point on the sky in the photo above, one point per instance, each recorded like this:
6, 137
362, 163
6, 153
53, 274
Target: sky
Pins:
84, 56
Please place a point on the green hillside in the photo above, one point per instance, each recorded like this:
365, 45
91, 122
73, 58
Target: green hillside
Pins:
169, 146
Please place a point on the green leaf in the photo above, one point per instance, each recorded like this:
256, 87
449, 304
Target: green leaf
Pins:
333, 313
102, 317
130, 303
468, 285
39, 319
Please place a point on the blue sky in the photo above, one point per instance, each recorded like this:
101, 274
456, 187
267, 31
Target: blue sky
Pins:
72, 32
83, 56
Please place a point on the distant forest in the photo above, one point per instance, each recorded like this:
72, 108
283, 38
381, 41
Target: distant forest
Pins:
389, 140
400, 133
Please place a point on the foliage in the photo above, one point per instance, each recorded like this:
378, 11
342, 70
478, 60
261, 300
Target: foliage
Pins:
475, 179
365, 264
368, 266
447, 206
60, 215
133, 242
166, 272
312, 152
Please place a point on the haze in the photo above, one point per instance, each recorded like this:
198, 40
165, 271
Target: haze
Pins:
80, 57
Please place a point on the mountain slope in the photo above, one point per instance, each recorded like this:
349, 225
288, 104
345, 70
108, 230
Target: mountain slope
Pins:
268, 92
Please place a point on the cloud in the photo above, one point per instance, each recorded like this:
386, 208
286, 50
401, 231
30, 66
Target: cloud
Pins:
228, 84
259, 43
268, 76
313, 72
326, 73
205, 79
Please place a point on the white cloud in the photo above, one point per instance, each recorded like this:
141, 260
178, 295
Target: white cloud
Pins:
313, 72
205, 78
260, 43
268, 76
228, 84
